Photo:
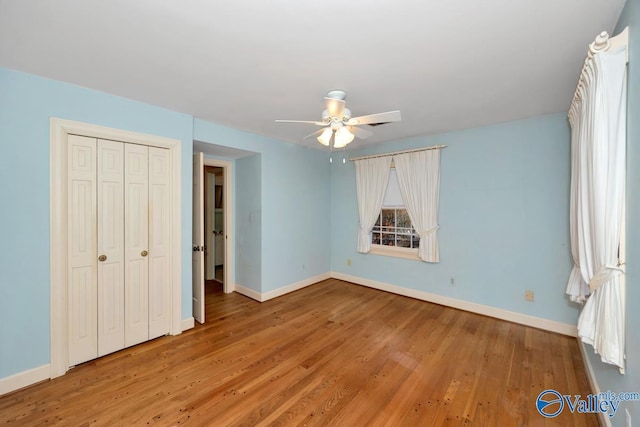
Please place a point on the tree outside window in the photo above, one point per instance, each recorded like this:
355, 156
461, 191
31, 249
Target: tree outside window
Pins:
393, 228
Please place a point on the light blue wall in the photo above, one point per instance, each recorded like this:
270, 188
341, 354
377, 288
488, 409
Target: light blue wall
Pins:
503, 218
26, 104
248, 222
295, 204
607, 376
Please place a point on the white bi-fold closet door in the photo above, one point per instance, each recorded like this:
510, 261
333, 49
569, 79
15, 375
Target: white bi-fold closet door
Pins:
118, 243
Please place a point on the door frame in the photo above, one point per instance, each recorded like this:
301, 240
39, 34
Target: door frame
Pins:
227, 167
59, 131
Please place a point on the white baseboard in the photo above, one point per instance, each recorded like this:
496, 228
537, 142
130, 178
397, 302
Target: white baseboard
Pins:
262, 297
32, 376
24, 379
295, 286
255, 295
511, 316
41, 373
593, 382
187, 323
485, 310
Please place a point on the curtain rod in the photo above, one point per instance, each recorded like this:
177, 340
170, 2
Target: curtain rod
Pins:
433, 147
602, 43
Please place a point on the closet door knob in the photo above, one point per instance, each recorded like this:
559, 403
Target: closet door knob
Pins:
144, 253
102, 258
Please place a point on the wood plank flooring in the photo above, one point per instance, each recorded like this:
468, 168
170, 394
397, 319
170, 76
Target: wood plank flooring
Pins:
331, 354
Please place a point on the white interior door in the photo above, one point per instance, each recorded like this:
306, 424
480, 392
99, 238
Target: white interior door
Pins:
119, 246
110, 298
136, 178
159, 243
198, 238
82, 261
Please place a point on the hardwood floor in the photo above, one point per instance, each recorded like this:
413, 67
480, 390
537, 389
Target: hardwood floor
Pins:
331, 354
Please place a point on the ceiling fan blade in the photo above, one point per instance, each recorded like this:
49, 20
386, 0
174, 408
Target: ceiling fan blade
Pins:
318, 132
302, 121
360, 133
389, 116
335, 107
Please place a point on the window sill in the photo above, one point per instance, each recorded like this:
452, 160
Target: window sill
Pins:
393, 251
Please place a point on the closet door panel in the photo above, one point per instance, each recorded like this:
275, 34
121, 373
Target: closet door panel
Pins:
159, 241
137, 243
110, 247
82, 229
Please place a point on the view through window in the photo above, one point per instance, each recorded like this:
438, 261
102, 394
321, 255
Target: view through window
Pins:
393, 227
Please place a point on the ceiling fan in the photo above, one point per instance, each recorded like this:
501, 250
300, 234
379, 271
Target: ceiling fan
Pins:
339, 126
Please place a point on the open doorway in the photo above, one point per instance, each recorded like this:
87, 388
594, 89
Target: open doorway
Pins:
214, 227
212, 238
208, 154
218, 217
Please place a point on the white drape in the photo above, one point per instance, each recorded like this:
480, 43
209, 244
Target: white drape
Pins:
419, 181
598, 159
372, 178
577, 288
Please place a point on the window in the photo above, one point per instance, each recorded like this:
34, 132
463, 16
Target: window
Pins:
393, 228
393, 234
416, 176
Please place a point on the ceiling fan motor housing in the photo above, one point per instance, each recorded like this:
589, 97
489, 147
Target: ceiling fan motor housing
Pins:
337, 94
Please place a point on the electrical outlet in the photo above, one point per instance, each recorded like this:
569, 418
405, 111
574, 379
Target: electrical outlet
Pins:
452, 281
349, 262
528, 295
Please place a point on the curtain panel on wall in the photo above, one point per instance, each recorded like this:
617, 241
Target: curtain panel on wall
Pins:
419, 181
598, 159
372, 178
418, 175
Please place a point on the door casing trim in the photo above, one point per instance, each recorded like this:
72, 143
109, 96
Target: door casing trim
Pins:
59, 131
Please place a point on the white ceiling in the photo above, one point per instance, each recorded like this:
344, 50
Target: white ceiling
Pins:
448, 64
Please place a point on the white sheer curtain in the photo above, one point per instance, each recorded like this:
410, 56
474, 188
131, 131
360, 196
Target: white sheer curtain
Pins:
372, 178
597, 204
419, 181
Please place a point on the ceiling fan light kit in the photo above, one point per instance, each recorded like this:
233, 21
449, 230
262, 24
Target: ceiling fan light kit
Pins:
342, 137
339, 126
325, 137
